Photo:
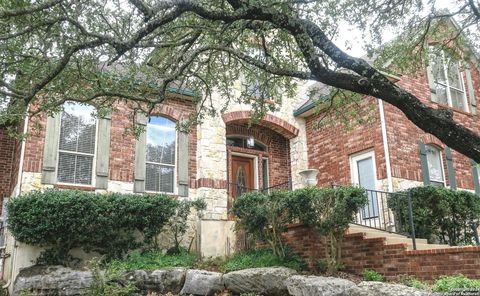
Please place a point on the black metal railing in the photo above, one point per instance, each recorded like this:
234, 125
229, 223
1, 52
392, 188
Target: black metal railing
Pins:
378, 215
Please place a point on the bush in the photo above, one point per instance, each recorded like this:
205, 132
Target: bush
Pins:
439, 214
110, 224
265, 216
455, 282
372, 276
152, 260
262, 258
329, 211
413, 282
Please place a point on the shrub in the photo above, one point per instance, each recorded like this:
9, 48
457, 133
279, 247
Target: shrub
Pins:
372, 276
329, 211
265, 216
110, 224
412, 281
438, 213
108, 283
455, 282
152, 260
262, 258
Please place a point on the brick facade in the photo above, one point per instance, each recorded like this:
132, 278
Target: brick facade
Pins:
329, 147
7, 163
360, 253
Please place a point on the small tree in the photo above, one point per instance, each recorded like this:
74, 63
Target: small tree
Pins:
329, 211
265, 216
178, 223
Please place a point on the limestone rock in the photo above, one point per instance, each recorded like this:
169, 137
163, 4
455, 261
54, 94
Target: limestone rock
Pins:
298, 285
201, 282
266, 281
159, 281
52, 280
384, 289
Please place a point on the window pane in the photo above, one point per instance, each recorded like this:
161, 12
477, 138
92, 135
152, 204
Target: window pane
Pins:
442, 94
434, 164
78, 125
161, 136
159, 178
74, 168
366, 178
454, 75
457, 99
83, 169
437, 68
66, 167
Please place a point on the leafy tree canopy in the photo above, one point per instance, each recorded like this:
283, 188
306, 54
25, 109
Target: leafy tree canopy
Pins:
102, 51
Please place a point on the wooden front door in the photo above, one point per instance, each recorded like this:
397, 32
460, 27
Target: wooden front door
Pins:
242, 175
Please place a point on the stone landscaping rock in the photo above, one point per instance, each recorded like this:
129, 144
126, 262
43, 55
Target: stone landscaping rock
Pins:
52, 280
384, 289
298, 285
266, 281
201, 282
159, 281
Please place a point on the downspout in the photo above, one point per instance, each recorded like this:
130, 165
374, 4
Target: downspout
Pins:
385, 146
15, 194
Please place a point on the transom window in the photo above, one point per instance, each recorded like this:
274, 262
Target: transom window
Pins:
76, 150
242, 142
449, 81
160, 155
435, 165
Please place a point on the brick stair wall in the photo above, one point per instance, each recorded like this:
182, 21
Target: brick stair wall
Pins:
360, 253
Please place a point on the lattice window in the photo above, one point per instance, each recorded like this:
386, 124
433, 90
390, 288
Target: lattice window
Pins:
76, 150
160, 155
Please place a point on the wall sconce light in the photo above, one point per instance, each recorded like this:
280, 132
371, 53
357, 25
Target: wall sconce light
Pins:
250, 142
309, 177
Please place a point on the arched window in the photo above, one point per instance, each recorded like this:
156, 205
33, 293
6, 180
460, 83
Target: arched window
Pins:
76, 149
160, 155
435, 165
242, 142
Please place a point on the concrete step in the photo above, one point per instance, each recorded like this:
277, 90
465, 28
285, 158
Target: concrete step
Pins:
394, 238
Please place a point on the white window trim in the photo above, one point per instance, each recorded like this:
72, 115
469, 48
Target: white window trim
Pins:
175, 166
354, 166
440, 153
268, 172
255, 167
448, 86
94, 165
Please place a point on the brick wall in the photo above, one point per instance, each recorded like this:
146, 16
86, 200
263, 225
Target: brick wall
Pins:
403, 135
122, 143
7, 152
329, 147
360, 253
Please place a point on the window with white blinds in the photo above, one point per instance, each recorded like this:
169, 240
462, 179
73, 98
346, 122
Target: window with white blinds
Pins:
160, 155
76, 149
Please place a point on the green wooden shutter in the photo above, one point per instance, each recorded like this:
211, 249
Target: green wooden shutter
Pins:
471, 91
140, 155
103, 149
476, 182
431, 83
424, 162
451, 171
50, 149
183, 158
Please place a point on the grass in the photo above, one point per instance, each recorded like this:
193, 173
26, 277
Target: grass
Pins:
153, 260
261, 258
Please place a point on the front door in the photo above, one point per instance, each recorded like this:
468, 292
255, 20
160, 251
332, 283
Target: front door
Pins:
242, 175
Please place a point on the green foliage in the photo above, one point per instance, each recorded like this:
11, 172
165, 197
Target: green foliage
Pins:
151, 260
329, 211
262, 258
108, 283
438, 213
454, 282
110, 224
372, 276
265, 216
412, 281
178, 226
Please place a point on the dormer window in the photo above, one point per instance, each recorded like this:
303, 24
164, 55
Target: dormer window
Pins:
448, 81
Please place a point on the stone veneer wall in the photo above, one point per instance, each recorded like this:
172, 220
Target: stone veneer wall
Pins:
360, 253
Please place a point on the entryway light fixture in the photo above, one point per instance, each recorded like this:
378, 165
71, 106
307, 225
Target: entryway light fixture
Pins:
250, 142
309, 177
